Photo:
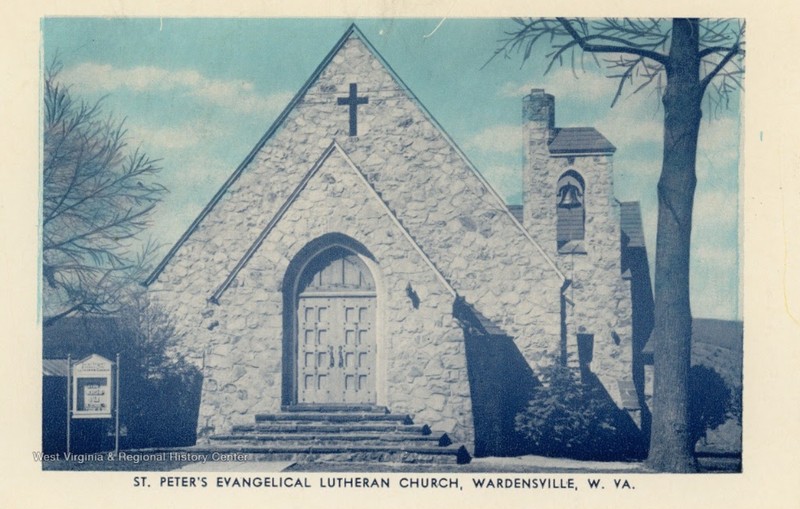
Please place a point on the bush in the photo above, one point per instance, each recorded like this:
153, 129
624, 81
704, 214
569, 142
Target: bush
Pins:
567, 418
711, 402
162, 389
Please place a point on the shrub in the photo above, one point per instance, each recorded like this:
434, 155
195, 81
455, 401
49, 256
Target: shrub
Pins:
567, 418
711, 402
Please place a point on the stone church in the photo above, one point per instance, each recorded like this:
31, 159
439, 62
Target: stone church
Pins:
357, 260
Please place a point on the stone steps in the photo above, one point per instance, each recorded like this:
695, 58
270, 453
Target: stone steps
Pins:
339, 408
321, 427
438, 439
338, 417
430, 454
340, 433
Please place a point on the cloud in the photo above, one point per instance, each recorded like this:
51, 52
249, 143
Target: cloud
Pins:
497, 138
716, 208
718, 146
240, 96
633, 120
618, 128
581, 86
506, 180
188, 135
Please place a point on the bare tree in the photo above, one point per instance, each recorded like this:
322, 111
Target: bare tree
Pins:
685, 61
97, 198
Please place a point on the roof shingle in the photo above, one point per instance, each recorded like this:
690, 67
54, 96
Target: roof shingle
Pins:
630, 222
579, 140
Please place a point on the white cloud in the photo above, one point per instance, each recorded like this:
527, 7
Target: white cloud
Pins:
497, 138
506, 180
718, 146
716, 258
174, 137
716, 209
618, 128
715, 281
579, 86
238, 95
633, 120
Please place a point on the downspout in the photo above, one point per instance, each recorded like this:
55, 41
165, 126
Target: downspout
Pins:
564, 301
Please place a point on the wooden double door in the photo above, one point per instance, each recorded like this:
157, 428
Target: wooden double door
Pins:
336, 347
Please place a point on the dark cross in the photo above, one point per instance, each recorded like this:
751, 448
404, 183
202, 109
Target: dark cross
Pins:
353, 101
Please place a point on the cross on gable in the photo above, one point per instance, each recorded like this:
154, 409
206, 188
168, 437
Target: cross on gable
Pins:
353, 101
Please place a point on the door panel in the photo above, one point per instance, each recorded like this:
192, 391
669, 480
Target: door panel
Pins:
336, 330
337, 349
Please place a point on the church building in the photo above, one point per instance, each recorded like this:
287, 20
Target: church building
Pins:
356, 260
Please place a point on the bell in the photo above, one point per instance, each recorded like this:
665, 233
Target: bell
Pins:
569, 196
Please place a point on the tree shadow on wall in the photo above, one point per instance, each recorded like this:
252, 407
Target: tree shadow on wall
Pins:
501, 383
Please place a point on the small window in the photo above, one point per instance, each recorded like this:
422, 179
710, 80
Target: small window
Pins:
585, 352
571, 215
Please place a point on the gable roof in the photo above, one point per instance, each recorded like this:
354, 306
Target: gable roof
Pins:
516, 211
630, 222
333, 147
55, 367
579, 140
350, 32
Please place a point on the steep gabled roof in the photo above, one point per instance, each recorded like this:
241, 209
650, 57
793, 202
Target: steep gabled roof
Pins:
247, 160
580, 140
350, 32
630, 222
333, 147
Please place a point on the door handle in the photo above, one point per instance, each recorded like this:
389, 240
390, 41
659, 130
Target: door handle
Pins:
341, 358
330, 353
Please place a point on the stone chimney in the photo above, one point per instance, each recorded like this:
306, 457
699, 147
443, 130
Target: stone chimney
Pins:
538, 178
540, 109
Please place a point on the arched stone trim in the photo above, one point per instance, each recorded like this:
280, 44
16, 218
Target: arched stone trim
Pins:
570, 208
291, 290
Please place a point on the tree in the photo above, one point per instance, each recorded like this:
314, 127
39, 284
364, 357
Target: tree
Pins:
97, 198
687, 61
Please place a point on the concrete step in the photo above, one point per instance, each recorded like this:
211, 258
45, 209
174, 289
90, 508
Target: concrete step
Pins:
451, 454
340, 433
346, 427
439, 439
325, 417
351, 408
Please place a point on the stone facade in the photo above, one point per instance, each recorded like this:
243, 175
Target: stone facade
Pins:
597, 298
400, 194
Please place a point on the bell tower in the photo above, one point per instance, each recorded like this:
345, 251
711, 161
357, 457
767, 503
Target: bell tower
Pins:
569, 208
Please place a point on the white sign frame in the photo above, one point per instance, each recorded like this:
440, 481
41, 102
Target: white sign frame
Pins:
100, 369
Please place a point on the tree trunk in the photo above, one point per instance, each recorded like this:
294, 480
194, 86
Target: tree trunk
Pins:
671, 449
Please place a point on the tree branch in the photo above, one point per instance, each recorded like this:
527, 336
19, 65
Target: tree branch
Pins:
722, 63
602, 48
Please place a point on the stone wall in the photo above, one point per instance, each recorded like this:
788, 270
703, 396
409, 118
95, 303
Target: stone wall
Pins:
601, 299
598, 300
422, 363
464, 226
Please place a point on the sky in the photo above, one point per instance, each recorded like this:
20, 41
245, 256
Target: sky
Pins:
198, 94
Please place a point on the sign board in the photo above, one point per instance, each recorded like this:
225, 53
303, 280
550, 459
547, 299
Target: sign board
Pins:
91, 388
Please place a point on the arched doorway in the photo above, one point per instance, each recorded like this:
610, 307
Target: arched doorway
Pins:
335, 330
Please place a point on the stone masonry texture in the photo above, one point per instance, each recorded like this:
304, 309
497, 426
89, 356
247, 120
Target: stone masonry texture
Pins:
397, 187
